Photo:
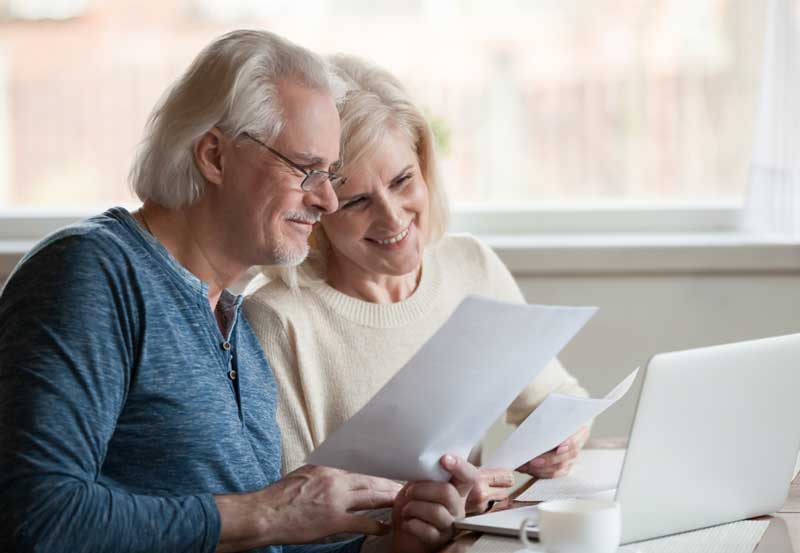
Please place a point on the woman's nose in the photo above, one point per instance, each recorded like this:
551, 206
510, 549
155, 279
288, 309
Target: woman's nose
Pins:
392, 212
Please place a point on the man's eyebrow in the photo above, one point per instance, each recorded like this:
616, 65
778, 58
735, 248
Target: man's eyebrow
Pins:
305, 158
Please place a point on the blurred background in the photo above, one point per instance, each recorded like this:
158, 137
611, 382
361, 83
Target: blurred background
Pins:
532, 100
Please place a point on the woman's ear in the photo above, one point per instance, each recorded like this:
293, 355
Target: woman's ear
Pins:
208, 156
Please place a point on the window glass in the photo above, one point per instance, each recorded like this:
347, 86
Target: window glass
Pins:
532, 100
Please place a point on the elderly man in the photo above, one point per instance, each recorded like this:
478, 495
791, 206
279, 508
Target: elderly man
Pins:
137, 411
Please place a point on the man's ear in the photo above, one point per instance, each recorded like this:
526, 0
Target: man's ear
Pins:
208, 155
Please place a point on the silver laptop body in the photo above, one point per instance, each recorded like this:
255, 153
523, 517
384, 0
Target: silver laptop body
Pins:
714, 438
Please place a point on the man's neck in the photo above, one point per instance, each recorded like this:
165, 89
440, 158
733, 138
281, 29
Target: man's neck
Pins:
189, 236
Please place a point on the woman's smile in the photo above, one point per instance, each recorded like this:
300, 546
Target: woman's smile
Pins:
392, 242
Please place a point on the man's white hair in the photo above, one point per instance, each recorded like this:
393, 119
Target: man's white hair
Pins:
232, 85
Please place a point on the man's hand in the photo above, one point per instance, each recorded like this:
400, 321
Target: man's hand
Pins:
424, 512
308, 504
557, 462
492, 486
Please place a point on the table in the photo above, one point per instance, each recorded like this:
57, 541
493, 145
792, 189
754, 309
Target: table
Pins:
782, 535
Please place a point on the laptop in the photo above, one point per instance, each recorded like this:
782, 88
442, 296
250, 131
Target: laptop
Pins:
714, 439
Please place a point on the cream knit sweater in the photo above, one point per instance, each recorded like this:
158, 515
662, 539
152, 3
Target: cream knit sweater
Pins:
331, 353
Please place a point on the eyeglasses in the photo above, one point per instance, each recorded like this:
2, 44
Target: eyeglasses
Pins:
313, 178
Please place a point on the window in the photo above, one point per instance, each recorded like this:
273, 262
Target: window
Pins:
533, 101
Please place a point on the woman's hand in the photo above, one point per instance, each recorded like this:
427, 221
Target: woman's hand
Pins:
492, 486
557, 462
424, 512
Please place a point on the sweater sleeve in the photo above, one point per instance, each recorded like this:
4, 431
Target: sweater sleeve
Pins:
67, 351
554, 377
275, 334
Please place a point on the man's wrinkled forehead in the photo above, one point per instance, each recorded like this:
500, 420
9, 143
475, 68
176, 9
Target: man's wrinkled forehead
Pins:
307, 159
310, 133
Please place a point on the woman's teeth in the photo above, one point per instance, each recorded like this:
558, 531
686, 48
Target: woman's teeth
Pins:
393, 239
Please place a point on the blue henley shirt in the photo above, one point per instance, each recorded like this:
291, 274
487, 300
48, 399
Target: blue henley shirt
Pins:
119, 416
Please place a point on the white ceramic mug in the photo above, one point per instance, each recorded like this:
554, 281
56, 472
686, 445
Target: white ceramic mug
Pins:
575, 526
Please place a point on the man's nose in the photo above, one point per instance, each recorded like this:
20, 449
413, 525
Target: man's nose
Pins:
322, 198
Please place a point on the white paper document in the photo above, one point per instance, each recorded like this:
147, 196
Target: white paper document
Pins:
446, 397
594, 471
557, 418
505, 522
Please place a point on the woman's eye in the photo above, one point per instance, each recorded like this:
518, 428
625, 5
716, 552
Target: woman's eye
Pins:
354, 202
400, 181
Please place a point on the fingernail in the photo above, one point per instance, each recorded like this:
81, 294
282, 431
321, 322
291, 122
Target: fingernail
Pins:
384, 528
449, 460
538, 462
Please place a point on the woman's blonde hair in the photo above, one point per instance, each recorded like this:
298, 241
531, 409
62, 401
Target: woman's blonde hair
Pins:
375, 104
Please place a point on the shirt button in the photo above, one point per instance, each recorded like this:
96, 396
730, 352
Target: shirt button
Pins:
232, 374
226, 345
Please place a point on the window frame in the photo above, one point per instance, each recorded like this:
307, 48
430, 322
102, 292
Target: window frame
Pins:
565, 240
594, 218
587, 218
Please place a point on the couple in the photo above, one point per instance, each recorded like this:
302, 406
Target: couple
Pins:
137, 407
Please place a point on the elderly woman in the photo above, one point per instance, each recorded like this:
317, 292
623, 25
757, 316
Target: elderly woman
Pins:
382, 277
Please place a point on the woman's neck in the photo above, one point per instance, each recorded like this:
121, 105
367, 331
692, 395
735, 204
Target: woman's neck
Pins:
373, 288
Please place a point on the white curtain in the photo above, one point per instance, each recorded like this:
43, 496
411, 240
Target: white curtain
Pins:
773, 203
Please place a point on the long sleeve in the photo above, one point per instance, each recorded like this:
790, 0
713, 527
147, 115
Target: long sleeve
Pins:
554, 378
68, 337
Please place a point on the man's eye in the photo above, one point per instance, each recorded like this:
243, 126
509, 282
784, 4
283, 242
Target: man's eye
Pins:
294, 170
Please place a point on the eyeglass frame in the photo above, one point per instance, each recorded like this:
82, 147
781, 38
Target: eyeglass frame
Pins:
336, 180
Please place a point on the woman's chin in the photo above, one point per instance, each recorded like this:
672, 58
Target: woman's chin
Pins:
399, 268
